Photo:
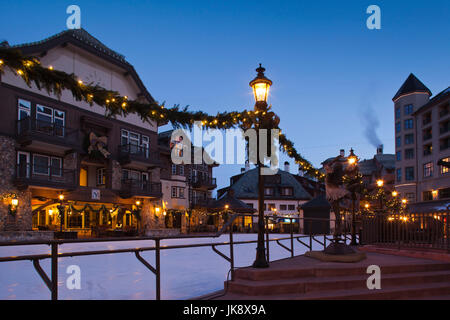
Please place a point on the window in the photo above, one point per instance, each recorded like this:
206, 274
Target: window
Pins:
409, 153
409, 124
409, 173
101, 176
398, 142
411, 197
408, 109
399, 156
178, 192
46, 115
24, 108
398, 127
286, 191
56, 166
428, 169
174, 169
181, 170
268, 191
427, 196
427, 134
283, 207
40, 164
427, 149
409, 138
399, 175
272, 206
445, 170
135, 142
444, 143
291, 207
250, 205
426, 118
397, 113
444, 193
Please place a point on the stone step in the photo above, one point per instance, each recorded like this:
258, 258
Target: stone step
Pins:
314, 284
435, 290
343, 270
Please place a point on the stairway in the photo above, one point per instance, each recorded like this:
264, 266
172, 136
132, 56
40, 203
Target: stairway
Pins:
403, 279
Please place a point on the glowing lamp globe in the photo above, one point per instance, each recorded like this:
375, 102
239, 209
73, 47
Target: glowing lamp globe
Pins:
260, 86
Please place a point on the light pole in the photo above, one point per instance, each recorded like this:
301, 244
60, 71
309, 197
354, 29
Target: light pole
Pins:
260, 86
353, 161
61, 210
380, 184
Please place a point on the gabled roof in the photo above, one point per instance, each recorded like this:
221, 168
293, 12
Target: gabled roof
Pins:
319, 202
233, 203
246, 187
412, 84
386, 160
83, 39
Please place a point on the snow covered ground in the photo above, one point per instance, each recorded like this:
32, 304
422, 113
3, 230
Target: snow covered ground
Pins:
185, 273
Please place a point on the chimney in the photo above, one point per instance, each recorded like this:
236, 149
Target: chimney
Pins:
247, 165
300, 171
380, 149
286, 166
342, 153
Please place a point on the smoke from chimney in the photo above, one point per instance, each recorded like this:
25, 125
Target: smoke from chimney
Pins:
371, 123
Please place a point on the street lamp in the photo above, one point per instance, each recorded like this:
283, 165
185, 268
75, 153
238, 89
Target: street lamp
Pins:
394, 193
260, 86
353, 161
380, 184
61, 211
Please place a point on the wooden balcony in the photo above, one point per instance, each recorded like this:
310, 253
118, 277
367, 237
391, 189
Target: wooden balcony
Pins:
48, 177
138, 155
137, 188
46, 135
204, 183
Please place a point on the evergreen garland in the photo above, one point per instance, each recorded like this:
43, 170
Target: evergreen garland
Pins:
55, 82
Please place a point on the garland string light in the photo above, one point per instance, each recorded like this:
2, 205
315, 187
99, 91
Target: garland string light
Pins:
55, 82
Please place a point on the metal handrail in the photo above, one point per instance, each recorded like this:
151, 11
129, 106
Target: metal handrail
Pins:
51, 282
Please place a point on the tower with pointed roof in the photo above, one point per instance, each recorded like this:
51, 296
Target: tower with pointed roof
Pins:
410, 97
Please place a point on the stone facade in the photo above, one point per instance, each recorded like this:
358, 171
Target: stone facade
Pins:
22, 220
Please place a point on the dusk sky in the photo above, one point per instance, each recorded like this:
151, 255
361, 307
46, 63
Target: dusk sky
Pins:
331, 74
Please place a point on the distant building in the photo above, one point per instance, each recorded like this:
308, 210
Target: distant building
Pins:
284, 192
422, 135
380, 167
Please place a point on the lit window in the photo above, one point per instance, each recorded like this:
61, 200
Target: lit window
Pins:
445, 170
428, 169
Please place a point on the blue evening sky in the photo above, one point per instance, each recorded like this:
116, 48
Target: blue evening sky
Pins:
331, 75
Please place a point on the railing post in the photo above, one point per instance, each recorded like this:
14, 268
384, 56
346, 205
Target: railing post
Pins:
231, 252
158, 269
267, 238
292, 238
54, 248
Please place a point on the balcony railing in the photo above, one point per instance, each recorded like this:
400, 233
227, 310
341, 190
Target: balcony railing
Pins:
33, 128
444, 128
208, 182
129, 152
200, 201
47, 176
132, 187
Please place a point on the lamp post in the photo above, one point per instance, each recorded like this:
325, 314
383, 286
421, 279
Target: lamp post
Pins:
353, 161
61, 209
260, 86
380, 184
